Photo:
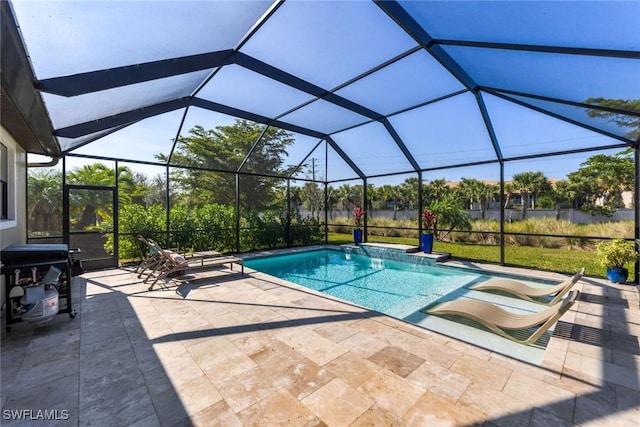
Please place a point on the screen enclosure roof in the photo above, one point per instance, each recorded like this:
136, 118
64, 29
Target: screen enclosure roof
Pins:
391, 86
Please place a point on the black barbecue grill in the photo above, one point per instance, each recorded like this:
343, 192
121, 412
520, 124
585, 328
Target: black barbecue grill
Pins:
22, 261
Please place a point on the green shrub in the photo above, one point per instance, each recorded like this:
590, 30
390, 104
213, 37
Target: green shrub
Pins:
616, 253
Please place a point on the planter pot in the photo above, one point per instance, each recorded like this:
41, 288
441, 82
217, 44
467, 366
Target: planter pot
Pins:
617, 275
357, 236
426, 242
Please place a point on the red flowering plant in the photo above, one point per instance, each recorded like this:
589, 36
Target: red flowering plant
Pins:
429, 222
358, 214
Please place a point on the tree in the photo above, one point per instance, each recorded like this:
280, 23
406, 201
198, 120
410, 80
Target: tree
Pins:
529, 185
213, 156
474, 193
602, 179
409, 193
623, 120
563, 192
87, 207
391, 193
44, 194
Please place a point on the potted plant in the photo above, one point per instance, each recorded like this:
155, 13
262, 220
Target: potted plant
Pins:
614, 255
429, 223
358, 215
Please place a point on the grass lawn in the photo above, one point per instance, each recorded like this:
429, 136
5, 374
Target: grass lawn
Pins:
548, 259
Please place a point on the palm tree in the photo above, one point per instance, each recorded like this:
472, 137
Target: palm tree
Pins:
529, 184
391, 193
88, 201
563, 191
45, 200
409, 193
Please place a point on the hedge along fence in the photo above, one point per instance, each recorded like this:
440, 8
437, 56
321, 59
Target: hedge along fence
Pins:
210, 227
542, 232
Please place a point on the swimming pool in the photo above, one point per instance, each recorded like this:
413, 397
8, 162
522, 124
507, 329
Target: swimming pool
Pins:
402, 290
396, 288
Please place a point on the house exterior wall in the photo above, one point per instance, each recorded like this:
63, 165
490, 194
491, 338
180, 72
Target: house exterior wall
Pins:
14, 228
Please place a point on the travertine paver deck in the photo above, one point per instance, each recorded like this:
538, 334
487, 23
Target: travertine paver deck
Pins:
232, 350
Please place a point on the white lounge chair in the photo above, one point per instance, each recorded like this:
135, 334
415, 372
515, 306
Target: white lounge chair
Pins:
531, 293
500, 320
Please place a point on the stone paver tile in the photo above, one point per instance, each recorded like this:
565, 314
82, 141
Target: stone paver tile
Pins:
542, 418
590, 410
591, 350
218, 414
530, 370
546, 396
363, 344
210, 347
98, 331
118, 400
182, 370
198, 394
499, 408
442, 354
337, 404
221, 366
278, 409
440, 381
487, 373
262, 315
301, 378
378, 417
391, 393
245, 389
603, 371
322, 350
170, 409
150, 421
53, 340
352, 369
335, 332
147, 359
296, 336
276, 357
554, 356
43, 395
470, 349
373, 327
626, 360
432, 410
626, 398
397, 360
44, 373
251, 344
157, 380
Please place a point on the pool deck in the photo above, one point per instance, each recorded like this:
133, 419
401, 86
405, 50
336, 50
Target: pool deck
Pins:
225, 349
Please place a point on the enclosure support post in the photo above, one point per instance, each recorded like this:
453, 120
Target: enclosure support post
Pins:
365, 196
636, 208
326, 212
420, 206
503, 207
237, 212
288, 213
167, 213
65, 203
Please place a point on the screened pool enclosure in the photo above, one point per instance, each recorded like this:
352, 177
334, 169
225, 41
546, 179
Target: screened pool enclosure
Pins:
241, 125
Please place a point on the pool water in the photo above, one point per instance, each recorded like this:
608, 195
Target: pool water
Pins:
391, 287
